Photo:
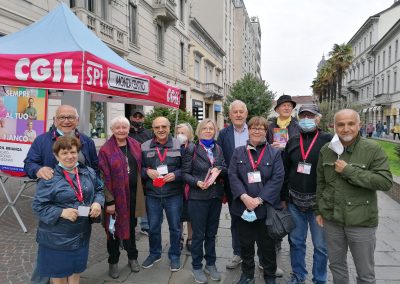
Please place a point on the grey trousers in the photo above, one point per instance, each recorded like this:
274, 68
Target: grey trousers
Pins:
361, 242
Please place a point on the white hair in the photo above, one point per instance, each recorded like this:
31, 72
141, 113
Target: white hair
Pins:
237, 103
119, 120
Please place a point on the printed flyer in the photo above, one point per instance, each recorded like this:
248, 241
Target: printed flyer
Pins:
22, 119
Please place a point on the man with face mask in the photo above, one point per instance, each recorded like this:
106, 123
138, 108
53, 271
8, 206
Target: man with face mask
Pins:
140, 134
300, 160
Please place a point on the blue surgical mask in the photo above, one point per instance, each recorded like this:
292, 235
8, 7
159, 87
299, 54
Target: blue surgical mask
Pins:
249, 216
66, 168
307, 124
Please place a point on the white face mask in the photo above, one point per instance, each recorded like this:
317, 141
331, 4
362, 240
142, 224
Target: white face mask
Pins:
336, 146
182, 138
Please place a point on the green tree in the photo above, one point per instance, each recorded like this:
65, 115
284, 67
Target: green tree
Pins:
253, 93
171, 115
341, 56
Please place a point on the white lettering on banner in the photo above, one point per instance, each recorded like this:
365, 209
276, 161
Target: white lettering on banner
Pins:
42, 69
95, 73
121, 81
173, 96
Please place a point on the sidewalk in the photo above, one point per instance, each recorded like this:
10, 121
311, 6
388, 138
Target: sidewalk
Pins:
18, 251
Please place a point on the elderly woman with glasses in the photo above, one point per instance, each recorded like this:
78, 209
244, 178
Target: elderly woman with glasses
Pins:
120, 161
256, 176
203, 168
64, 205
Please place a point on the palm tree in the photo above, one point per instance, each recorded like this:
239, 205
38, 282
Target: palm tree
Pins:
341, 57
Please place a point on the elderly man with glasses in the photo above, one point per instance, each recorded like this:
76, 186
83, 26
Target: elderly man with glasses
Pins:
40, 160
161, 174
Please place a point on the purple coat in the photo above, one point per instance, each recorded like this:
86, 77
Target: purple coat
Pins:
113, 168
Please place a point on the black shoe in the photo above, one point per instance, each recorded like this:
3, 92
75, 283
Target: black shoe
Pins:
246, 279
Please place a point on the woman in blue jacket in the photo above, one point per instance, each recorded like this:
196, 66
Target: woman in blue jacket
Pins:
65, 205
256, 176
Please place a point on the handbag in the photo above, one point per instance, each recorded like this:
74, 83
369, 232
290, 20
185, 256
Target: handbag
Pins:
279, 222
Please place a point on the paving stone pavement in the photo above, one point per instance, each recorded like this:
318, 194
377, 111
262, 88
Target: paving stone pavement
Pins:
18, 250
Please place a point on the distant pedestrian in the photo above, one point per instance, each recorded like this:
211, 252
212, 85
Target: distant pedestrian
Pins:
370, 130
350, 171
379, 129
396, 131
385, 128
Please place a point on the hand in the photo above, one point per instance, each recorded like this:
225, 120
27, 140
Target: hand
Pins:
284, 204
153, 174
340, 165
215, 170
250, 202
70, 214
95, 210
110, 209
319, 220
45, 173
169, 177
278, 145
201, 184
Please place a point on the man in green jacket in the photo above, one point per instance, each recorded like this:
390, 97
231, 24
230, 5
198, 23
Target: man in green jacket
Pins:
347, 209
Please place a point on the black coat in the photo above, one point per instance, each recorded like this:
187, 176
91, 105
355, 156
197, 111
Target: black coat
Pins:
272, 175
195, 166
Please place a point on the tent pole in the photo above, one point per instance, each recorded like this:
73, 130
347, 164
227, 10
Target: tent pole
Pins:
81, 108
176, 119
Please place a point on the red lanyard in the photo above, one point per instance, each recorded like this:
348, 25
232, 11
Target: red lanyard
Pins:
78, 193
253, 164
212, 160
162, 158
304, 156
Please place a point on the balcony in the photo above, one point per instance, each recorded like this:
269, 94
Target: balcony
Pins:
164, 10
353, 86
213, 91
110, 34
383, 99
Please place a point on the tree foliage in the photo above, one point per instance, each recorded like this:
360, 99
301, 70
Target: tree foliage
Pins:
171, 115
253, 93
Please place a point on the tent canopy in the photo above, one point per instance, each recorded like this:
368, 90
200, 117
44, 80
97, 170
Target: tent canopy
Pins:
60, 52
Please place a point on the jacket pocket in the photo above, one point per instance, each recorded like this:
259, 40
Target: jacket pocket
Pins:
360, 213
329, 172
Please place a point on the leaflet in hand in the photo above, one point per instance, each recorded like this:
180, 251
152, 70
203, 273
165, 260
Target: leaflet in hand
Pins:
211, 177
281, 136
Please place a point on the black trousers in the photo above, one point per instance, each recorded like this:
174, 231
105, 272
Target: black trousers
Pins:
249, 234
113, 245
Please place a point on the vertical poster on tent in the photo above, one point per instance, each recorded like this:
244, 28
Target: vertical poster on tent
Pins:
22, 119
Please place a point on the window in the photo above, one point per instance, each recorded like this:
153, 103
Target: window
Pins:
377, 86
396, 50
365, 43
182, 11
367, 95
182, 56
197, 68
104, 9
363, 70
132, 23
383, 84
90, 5
206, 74
72, 3
390, 56
383, 59
370, 38
160, 41
394, 81
388, 84
379, 63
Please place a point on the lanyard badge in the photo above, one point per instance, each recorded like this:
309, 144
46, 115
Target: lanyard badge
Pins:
255, 175
303, 167
162, 169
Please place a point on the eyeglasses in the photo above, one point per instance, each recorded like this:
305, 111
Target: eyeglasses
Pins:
207, 129
138, 116
160, 127
306, 115
257, 129
64, 118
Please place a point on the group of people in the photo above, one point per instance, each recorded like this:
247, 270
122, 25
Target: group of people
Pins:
327, 183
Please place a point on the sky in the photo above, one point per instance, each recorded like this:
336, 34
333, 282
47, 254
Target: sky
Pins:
295, 34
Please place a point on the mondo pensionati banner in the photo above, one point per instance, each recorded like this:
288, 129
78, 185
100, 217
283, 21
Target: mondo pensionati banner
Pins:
22, 119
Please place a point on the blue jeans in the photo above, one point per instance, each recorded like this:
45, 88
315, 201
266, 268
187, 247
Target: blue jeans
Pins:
144, 223
172, 206
204, 216
298, 237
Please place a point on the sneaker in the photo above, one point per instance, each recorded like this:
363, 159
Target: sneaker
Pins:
246, 279
144, 232
213, 272
199, 276
134, 265
150, 260
113, 270
278, 272
234, 262
295, 280
175, 265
